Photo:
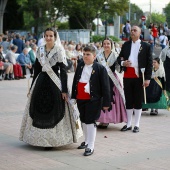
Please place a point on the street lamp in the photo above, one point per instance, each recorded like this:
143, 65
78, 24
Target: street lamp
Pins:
106, 7
98, 13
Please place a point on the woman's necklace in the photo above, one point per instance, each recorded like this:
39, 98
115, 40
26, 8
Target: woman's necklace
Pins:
106, 56
48, 52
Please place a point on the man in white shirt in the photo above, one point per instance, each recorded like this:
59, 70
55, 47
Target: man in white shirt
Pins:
163, 39
134, 56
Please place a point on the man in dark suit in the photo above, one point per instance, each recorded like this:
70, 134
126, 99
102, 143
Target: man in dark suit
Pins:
135, 55
91, 88
19, 43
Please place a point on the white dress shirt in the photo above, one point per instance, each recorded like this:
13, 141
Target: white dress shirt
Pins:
134, 55
85, 77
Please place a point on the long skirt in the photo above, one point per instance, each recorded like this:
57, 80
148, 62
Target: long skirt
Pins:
155, 98
63, 133
161, 104
118, 112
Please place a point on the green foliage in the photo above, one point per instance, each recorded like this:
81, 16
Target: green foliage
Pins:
85, 11
99, 38
62, 26
13, 19
34, 12
167, 13
156, 18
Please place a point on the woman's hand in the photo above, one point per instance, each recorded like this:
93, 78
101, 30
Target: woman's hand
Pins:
105, 108
65, 97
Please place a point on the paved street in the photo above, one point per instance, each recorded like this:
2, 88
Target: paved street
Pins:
149, 149
114, 150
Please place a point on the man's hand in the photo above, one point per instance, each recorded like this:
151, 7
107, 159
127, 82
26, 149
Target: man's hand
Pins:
64, 96
146, 83
127, 63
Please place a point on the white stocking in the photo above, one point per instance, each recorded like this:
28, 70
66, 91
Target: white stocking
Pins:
129, 117
138, 113
91, 135
85, 132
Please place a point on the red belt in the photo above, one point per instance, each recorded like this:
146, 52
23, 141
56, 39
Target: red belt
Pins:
130, 73
81, 94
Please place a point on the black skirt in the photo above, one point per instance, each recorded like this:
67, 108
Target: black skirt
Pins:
153, 92
47, 106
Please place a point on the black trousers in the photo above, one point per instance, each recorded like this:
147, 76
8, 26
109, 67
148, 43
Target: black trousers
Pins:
89, 110
24, 70
133, 90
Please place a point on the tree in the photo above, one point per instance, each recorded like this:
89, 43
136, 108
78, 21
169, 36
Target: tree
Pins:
156, 18
167, 13
34, 12
13, 19
2, 9
83, 12
134, 10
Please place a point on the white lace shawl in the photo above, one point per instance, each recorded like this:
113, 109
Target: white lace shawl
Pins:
160, 72
112, 58
56, 55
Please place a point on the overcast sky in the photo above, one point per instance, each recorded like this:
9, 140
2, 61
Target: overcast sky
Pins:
156, 5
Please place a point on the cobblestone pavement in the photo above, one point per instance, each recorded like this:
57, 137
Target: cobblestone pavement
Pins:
114, 150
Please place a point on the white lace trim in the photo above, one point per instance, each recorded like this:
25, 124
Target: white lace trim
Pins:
55, 55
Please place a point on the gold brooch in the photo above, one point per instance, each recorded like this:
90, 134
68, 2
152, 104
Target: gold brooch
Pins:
93, 71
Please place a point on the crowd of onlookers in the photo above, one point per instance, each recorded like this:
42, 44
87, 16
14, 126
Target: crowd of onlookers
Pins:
17, 55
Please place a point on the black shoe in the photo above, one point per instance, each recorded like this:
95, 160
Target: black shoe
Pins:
103, 126
88, 152
152, 113
125, 128
48, 148
136, 129
17, 78
7, 78
156, 111
82, 146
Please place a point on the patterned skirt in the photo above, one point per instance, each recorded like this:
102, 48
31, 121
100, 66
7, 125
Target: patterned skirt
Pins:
63, 133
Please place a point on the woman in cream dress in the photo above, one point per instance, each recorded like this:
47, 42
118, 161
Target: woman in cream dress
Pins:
48, 120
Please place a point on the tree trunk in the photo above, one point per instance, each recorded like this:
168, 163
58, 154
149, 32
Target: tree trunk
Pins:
2, 9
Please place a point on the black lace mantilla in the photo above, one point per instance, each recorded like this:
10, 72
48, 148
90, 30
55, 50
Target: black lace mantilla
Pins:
47, 106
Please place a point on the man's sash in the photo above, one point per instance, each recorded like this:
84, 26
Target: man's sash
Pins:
102, 61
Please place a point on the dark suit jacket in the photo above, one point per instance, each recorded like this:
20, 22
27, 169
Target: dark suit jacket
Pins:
99, 83
144, 57
19, 43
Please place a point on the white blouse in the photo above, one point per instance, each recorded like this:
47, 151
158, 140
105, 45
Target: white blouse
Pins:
85, 77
